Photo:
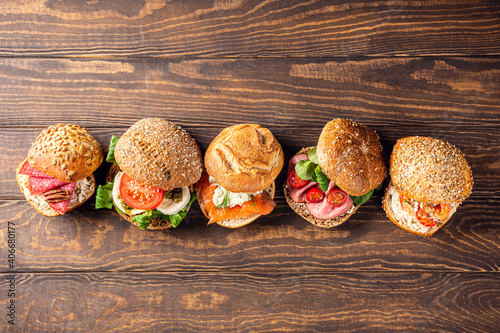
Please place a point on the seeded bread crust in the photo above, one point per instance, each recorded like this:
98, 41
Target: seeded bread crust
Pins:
244, 158
388, 211
350, 154
430, 170
159, 153
156, 223
239, 222
40, 205
67, 152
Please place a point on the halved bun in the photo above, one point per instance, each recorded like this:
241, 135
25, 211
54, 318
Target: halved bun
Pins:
244, 158
350, 154
66, 152
83, 191
301, 209
156, 223
159, 153
390, 214
430, 170
238, 222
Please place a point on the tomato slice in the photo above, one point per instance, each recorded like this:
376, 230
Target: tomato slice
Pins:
314, 195
138, 195
295, 180
337, 197
424, 218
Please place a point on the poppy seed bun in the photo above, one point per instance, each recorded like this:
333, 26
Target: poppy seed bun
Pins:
159, 153
301, 209
156, 223
244, 158
430, 170
350, 154
66, 152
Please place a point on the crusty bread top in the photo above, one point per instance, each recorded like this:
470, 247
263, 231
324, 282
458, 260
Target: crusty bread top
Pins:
244, 158
350, 154
66, 152
159, 153
430, 170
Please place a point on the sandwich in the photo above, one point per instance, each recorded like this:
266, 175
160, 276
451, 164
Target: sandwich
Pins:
155, 164
326, 184
429, 180
57, 176
242, 163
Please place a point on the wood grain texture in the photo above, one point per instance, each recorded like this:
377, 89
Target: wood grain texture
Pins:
286, 92
240, 28
208, 302
89, 240
480, 145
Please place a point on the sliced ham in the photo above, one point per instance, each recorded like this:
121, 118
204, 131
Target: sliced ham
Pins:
325, 210
41, 185
294, 160
298, 194
28, 170
62, 206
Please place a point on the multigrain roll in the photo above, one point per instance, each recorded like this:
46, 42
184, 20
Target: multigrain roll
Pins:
430, 178
156, 163
327, 184
241, 164
57, 176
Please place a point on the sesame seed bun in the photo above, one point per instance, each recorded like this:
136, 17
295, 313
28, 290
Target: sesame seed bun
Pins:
156, 223
84, 189
350, 154
67, 152
430, 170
244, 158
159, 153
301, 209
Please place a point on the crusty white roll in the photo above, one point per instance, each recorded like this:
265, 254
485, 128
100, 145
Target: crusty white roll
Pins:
244, 158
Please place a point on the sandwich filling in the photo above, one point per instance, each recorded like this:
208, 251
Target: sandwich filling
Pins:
52, 192
418, 216
221, 204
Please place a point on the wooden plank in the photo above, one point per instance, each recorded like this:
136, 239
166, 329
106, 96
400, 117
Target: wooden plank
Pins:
255, 28
391, 91
89, 240
480, 145
196, 302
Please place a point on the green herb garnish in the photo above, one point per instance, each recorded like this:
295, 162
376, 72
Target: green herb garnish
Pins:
310, 170
225, 201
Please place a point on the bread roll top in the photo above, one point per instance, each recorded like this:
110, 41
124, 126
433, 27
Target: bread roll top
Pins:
350, 154
244, 158
430, 170
159, 153
67, 152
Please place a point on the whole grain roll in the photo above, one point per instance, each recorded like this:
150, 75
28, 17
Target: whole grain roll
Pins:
159, 153
350, 154
67, 152
244, 158
430, 170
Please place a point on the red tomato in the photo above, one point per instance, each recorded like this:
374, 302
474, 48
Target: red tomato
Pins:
314, 195
424, 218
295, 180
337, 197
138, 195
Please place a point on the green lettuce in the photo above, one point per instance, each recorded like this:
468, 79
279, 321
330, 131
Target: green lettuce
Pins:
111, 151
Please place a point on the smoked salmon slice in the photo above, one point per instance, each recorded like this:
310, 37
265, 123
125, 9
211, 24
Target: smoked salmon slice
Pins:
261, 203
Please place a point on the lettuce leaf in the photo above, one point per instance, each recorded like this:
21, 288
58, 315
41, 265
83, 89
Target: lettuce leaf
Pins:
144, 219
364, 198
111, 151
104, 196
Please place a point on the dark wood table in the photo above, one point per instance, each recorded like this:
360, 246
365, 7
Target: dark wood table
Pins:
400, 67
